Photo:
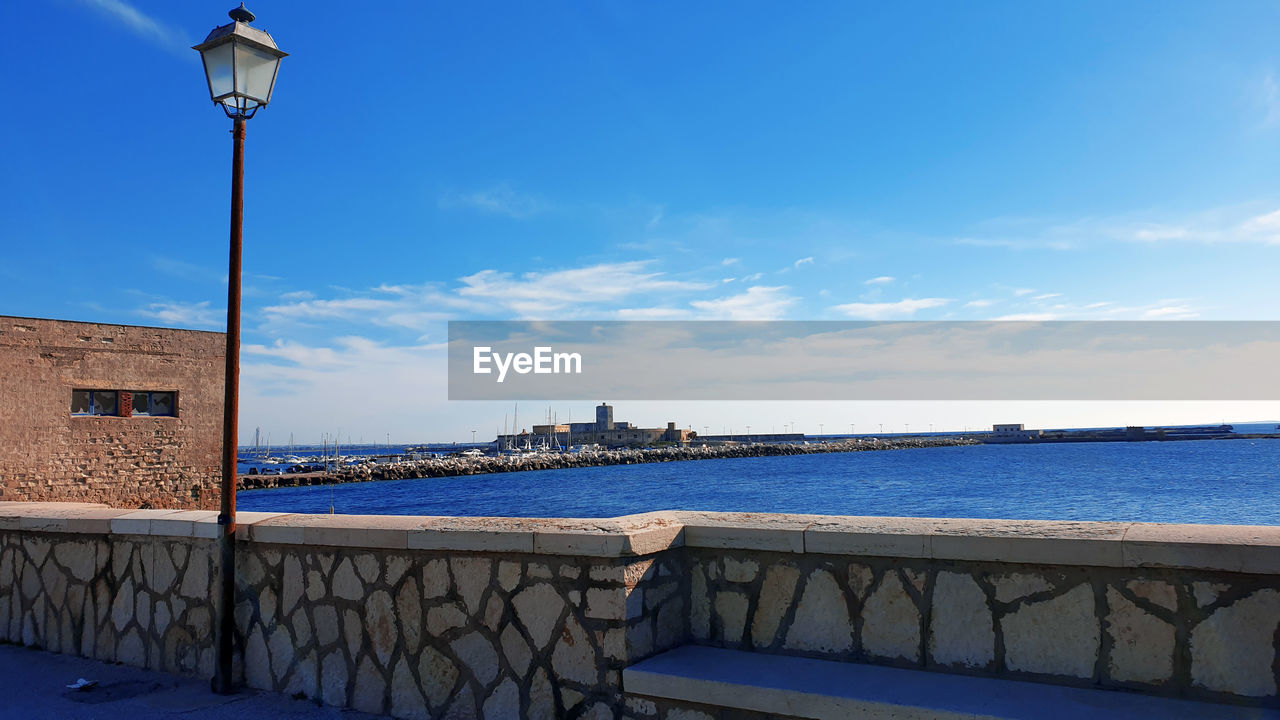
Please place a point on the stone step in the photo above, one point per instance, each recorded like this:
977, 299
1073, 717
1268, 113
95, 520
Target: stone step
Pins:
797, 687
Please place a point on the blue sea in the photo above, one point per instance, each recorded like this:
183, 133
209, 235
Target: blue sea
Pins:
1233, 482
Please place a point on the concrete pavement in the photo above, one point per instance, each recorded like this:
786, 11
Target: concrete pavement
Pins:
33, 686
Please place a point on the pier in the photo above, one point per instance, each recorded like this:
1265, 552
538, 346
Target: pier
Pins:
454, 465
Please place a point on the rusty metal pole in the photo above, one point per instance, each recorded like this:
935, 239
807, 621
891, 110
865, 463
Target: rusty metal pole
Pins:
222, 679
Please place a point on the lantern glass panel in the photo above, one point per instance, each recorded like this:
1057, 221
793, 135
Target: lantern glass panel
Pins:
255, 72
217, 65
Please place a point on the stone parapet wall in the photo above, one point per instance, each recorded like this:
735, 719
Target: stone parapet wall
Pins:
496, 618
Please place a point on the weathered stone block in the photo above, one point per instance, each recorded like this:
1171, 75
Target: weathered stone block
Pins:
1019, 585
435, 579
368, 566
731, 610
380, 623
282, 653
1059, 636
961, 629
370, 688
345, 583
539, 607
291, 586
333, 679
471, 576
1232, 651
406, 698
891, 621
477, 653
257, 661
776, 595
352, 633
542, 702
438, 676
409, 609
79, 558
699, 605
444, 618
741, 571
606, 603
1142, 645
504, 701
574, 658
860, 579
822, 617
508, 575
326, 622
516, 650
1158, 592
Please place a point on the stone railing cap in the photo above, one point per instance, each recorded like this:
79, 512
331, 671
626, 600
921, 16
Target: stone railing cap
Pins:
1233, 548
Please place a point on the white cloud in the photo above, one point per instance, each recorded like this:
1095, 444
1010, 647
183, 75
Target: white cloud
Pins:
730, 261
882, 280
552, 295
354, 384
348, 308
1170, 312
804, 261
1230, 224
541, 295
1269, 98
889, 310
981, 303
1047, 296
1028, 317
183, 314
1022, 291
500, 199
1263, 228
144, 25
1157, 233
655, 313
757, 303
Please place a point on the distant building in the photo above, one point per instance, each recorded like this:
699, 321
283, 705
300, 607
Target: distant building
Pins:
1013, 432
605, 431
119, 414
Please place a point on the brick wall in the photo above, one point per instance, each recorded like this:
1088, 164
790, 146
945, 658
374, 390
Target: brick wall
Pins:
48, 454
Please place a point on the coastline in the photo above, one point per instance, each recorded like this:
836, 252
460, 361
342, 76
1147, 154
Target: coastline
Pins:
456, 465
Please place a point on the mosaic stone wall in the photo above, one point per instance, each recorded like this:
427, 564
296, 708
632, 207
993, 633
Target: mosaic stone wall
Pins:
491, 618
410, 634
135, 600
1202, 635
433, 635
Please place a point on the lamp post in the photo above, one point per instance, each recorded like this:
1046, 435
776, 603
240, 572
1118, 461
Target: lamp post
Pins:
240, 64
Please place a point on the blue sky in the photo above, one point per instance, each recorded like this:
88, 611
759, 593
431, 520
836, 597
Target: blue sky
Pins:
428, 161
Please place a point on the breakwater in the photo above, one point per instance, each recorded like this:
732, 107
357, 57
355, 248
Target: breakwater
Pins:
455, 465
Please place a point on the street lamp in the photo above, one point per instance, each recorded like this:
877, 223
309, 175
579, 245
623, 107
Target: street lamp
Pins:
240, 64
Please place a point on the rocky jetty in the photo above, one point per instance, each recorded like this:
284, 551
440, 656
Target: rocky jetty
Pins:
453, 465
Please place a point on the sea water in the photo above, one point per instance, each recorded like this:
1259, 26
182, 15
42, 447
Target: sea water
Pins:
1204, 481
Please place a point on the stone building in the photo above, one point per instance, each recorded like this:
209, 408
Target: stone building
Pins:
119, 414
1013, 432
605, 431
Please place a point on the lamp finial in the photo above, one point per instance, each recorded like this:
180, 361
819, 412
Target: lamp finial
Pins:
242, 14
